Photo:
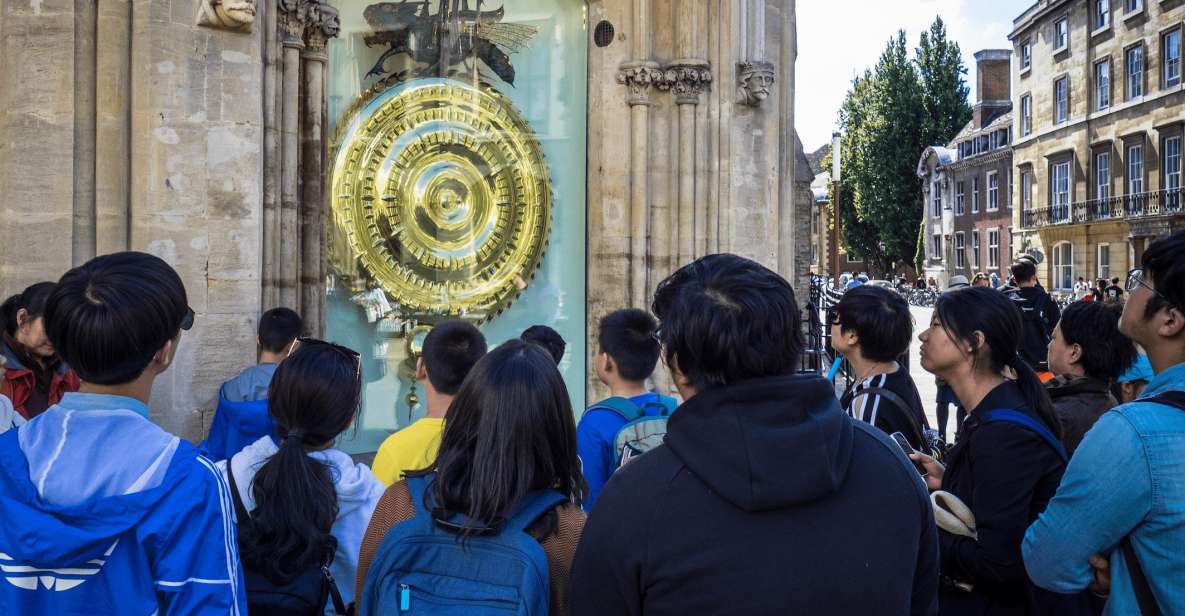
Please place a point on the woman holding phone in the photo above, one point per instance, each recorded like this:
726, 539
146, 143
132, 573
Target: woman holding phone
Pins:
1008, 463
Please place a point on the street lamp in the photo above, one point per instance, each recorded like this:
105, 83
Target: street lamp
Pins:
833, 233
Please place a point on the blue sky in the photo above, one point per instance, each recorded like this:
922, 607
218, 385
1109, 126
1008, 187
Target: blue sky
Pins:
838, 39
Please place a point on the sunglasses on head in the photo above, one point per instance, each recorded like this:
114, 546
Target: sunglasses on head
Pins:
187, 320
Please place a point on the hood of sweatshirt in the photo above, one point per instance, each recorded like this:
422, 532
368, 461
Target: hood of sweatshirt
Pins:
74, 482
767, 443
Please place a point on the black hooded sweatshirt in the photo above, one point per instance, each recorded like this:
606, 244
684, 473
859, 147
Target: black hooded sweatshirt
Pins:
766, 499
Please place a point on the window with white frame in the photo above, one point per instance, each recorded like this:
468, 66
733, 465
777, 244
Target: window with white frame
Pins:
936, 247
1061, 100
1026, 115
993, 191
993, 248
975, 249
1061, 34
960, 199
1026, 190
1059, 190
1172, 166
1131, 6
1135, 169
1104, 253
1102, 14
1135, 72
975, 195
1063, 267
960, 250
936, 199
1171, 49
1026, 54
1102, 84
1102, 175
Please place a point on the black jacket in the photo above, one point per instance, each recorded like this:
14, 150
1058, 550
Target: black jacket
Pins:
1035, 302
1006, 474
766, 499
1079, 401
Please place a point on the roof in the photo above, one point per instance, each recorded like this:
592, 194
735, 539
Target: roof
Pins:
944, 156
1004, 121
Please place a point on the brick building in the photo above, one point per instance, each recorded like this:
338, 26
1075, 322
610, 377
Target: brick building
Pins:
1098, 128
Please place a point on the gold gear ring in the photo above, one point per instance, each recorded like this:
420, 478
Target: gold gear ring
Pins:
444, 196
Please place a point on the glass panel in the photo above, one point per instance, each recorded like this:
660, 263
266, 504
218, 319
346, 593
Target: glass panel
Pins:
1172, 58
457, 185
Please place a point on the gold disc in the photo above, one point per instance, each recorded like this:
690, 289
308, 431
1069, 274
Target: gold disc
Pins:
443, 194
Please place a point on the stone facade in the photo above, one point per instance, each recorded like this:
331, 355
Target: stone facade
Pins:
1094, 181
127, 125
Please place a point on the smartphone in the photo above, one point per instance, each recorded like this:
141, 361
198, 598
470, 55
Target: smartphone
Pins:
903, 443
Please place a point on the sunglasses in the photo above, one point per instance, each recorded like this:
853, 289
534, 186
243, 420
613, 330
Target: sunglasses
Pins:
187, 320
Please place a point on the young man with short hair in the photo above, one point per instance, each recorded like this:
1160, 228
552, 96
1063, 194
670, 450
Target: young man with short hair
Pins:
103, 511
1113, 292
450, 350
1123, 495
766, 498
1039, 314
627, 357
241, 417
871, 327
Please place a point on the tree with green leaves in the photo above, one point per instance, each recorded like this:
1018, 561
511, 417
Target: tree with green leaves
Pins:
945, 110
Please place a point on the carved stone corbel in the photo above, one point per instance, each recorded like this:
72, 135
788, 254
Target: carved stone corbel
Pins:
293, 14
233, 15
756, 78
639, 77
687, 79
321, 24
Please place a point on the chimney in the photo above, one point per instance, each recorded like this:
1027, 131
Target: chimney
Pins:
993, 89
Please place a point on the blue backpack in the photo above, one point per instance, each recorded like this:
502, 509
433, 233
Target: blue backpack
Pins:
235, 426
645, 426
421, 567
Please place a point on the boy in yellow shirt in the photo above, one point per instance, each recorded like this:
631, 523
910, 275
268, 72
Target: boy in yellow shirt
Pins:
450, 351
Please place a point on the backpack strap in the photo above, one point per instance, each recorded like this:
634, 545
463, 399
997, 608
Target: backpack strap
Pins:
900, 405
1017, 417
240, 509
622, 406
1175, 399
533, 505
1144, 597
417, 486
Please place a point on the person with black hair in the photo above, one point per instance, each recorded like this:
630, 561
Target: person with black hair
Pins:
510, 440
1039, 313
301, 502
449, 352
765, 494
1113, 292
33, 377
1116, 522
871, 327
105, 512
1097, 293
1087, 352
242, 415
1007, 464
628, 353
548, 338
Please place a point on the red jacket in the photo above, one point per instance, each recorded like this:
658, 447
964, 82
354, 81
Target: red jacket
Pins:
18, 381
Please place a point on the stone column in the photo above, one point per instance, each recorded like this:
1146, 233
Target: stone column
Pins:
292, 18
85, 31
113, 130
687, 78
787, 142
271, 154
638, 77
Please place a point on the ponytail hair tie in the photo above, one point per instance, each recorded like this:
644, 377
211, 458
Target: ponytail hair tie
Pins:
295, 437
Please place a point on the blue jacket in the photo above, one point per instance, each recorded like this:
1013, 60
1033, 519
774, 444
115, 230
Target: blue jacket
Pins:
1126, 477
242, 416
595, 434
105, 513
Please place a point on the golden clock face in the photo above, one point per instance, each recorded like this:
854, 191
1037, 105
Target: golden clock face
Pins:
443, 195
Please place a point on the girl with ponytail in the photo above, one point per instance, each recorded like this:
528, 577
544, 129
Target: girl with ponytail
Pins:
304, 499
1007, 463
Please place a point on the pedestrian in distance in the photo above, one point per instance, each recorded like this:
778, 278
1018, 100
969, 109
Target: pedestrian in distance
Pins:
759, 500
491, 526
1007, 464
449, 352
1039, 314
871, 327
242, 414
1120, 506
301, 504
633, 418
33, 377
105, 512
1113, 292
548, 338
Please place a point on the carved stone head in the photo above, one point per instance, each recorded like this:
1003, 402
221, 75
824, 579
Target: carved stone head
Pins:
234, 15
756, 79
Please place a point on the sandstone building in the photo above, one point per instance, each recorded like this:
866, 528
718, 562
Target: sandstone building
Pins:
1099, 107
596, 145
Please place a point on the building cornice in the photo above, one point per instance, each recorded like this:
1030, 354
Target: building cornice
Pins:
1033, 15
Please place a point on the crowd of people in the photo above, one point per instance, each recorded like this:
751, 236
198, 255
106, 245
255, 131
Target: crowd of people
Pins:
746, 487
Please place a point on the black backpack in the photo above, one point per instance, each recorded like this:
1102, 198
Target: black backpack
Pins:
1034, 344
306, 594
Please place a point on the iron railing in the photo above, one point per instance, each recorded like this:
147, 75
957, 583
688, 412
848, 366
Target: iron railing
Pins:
1138, 205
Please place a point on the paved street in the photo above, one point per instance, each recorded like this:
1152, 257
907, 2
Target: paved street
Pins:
924, 380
